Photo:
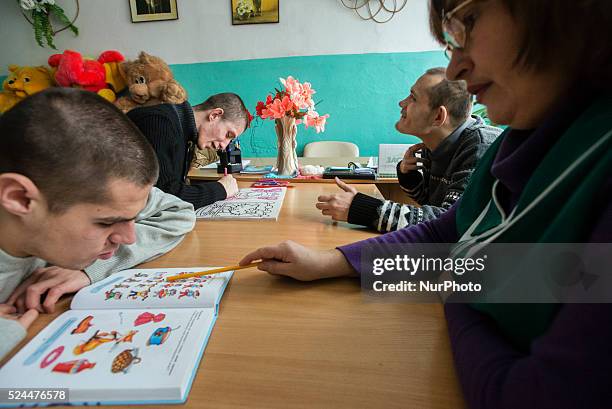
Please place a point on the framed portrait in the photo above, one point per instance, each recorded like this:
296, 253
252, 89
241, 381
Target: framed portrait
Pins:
254, 11
153, 10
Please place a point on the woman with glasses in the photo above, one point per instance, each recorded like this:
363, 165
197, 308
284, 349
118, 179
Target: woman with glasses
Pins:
544, 69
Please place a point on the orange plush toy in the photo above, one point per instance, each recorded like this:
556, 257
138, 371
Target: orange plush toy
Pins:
100, 76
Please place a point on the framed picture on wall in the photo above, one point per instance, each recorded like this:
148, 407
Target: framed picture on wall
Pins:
153, 10
254, 11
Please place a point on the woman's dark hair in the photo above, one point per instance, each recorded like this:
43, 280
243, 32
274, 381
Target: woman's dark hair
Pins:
575, 34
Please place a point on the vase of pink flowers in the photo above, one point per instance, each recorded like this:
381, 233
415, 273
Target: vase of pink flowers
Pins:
289, 108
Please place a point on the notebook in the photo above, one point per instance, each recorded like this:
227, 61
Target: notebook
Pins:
248, 204
389, 155
132, 338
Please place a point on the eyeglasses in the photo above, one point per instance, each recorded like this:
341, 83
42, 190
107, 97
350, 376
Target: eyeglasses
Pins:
454, 30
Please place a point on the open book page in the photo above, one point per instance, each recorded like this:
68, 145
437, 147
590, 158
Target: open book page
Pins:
113, 356
247, 204
148, 288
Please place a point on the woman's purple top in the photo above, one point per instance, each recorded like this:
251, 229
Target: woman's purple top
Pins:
570, 366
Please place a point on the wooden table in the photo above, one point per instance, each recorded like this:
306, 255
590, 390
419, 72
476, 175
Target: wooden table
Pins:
388, 187
280, 343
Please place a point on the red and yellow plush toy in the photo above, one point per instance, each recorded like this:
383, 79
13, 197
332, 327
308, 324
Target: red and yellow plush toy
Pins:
101, 76
21, 82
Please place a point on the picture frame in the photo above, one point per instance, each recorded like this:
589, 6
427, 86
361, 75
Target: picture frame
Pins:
254, 11
153, 10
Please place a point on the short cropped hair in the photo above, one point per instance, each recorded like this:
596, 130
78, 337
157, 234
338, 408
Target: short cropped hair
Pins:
72, 143
573, 34
451, 94
233, 107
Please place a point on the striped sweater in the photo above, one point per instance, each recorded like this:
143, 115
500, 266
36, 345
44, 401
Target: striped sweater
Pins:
437, 188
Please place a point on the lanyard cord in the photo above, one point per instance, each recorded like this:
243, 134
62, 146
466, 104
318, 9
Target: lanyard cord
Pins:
467, 240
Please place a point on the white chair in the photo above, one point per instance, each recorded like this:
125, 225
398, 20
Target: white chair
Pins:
328, 149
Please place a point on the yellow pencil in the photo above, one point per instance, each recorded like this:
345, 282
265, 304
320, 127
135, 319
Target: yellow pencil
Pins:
209, 272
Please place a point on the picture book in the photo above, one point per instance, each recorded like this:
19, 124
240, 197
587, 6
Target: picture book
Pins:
132, 338
247, 204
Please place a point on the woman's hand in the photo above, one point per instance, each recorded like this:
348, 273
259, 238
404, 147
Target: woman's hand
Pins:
294, 260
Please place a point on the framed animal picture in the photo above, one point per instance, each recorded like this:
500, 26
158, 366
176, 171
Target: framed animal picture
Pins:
254, 11
153, 10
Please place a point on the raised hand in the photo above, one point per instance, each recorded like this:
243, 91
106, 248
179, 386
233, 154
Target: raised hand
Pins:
337, 205
412, 162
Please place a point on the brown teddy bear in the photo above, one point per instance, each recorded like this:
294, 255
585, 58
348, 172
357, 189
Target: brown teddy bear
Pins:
150, 82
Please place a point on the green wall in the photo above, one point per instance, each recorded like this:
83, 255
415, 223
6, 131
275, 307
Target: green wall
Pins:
360, 93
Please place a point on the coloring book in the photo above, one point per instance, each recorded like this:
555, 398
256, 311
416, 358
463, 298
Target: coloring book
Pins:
132, 338
248, 204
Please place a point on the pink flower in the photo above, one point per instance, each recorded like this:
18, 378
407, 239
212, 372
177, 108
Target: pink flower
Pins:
292, 85
278, 108
294, 101
307, 92
312, 118
300, 94
301, 102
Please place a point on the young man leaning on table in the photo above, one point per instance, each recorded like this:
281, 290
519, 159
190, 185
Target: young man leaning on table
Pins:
437, 111
77, 202
546, 179
174, 131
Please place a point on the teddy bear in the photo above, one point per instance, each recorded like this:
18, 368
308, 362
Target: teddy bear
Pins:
102, 76
150, 82
21, 82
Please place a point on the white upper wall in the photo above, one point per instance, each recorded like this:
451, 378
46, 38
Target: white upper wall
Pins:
204, 32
